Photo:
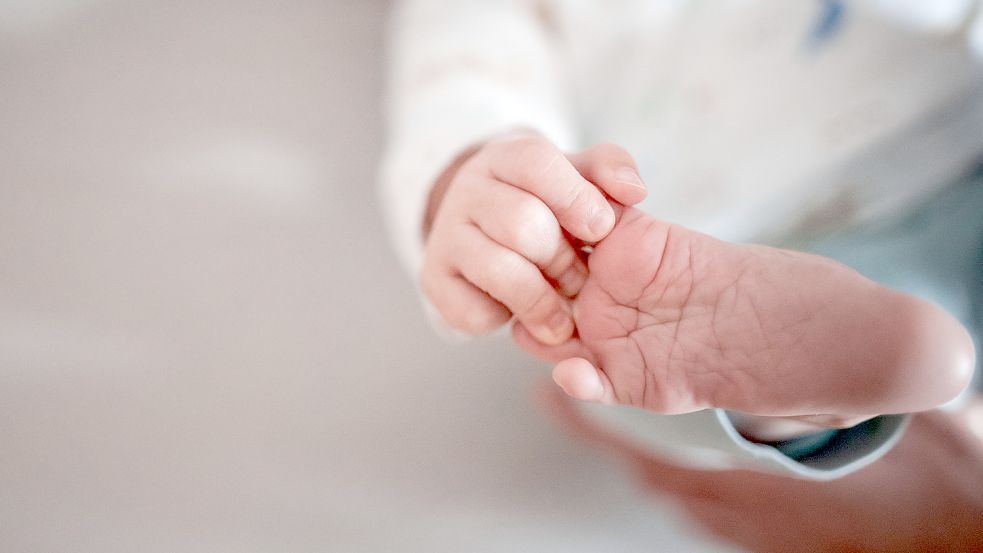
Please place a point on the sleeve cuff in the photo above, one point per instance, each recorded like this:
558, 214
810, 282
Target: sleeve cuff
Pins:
803, 446
827, 455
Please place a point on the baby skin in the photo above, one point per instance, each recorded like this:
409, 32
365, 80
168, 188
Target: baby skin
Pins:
674, 321
664, 318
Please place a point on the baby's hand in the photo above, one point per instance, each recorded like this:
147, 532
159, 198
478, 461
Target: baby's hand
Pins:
496, 246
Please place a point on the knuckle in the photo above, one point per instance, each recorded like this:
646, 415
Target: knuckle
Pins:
483, 319
472, 321
540, 304
562, 260
527, 293
472, 316
579, 200
503, 270
534, 230
530, 210
534, 156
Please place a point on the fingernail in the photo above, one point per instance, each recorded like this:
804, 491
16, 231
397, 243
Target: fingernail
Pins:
629, 176
603, 222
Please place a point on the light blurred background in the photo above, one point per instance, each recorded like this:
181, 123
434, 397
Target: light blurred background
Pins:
206, 343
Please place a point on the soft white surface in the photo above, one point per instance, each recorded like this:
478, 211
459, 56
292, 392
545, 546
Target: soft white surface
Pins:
206, 344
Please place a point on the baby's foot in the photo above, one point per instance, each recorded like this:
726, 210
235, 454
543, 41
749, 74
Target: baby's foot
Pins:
676, 321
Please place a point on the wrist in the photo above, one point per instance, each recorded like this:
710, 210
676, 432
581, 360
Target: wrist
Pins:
441, 185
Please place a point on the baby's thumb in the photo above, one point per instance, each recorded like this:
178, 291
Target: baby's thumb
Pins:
612, 169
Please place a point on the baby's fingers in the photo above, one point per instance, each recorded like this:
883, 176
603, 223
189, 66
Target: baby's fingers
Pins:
463, 307
522, 223
515, 282
540, 168
547, 352
613, 170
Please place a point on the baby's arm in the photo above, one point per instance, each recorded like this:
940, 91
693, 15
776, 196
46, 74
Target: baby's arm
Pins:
460, 72
492, 203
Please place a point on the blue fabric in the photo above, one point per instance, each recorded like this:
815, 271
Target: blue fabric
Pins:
827, 25
804, 446
832, 443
